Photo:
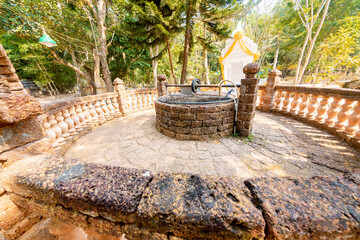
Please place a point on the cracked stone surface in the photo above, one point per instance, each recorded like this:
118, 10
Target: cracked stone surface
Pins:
201, 202
315, 208
279, 147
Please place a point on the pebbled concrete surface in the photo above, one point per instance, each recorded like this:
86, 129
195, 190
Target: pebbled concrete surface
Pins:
279, 147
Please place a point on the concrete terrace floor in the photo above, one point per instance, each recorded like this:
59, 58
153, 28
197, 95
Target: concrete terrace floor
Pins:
280, 146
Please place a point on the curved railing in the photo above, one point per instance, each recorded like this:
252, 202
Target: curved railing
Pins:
335, 110
140, 99
66, 121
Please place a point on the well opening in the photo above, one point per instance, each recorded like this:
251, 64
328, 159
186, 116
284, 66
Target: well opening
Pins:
194, 99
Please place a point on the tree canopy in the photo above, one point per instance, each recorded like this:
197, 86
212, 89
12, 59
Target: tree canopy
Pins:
100, 40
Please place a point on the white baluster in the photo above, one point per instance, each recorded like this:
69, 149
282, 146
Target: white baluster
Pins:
62, 124
81, 115
93, 113
278, 100
149, 98
116, 106
332, 112
312, 106
295, 103
75, 118
50, 132
59, 139
110, 106
100, 112
86, 111
303, 104
105, 108
353, 121
344, 114
286, 102
134, 102
138, 101
69, 122
322, 109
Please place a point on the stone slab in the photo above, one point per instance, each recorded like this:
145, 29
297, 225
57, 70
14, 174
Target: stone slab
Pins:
316, 208
16, 135
7, 70
111, 192
39, 232
195, 207
17, 107
9, 78
27, 150
21, 227
10, 214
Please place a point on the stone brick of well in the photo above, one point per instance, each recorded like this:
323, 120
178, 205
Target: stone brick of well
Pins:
195, 122
247, 100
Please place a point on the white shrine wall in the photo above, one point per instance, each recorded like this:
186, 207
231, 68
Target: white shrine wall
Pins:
234, 63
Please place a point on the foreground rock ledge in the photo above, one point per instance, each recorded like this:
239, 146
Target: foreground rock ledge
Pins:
316, 208
115, 200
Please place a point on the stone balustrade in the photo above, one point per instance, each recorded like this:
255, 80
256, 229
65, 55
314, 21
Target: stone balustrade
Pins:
66, 121
140, 99
335, 110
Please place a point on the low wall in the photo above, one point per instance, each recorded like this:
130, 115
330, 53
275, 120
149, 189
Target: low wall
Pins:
140, 99
334, 110
107, 202
66, 121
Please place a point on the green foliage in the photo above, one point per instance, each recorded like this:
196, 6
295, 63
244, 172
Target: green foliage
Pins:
282, 28
135, 25
33, 62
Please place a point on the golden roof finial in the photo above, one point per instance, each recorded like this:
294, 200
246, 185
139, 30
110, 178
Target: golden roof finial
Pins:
239, 35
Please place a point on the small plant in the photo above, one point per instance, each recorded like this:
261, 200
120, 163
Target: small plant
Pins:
250, 137
235, 135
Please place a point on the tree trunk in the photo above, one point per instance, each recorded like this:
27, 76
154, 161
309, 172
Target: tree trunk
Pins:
90, 78
154, 62
96, 67
101, 6
276, 58
133, 72
316, 70
78, 77
300, 59
187, 42
206, 68
171, 64
99, 82
77, 70
313, 40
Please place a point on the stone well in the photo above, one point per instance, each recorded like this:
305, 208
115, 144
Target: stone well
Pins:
195, 117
